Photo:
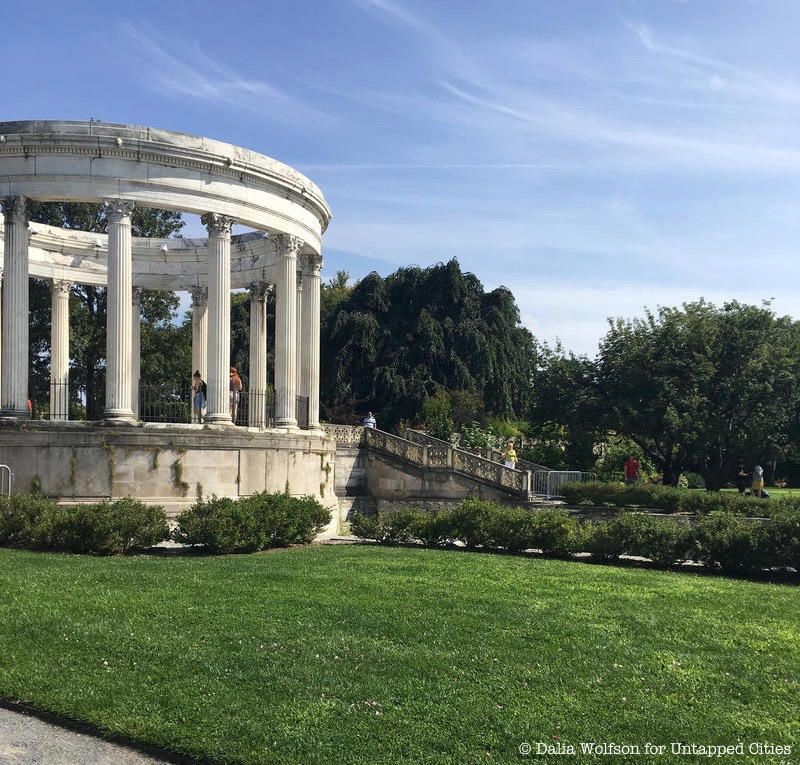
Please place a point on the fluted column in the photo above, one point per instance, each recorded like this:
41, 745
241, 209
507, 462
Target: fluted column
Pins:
59, 350
286, 331
14, 393
299, 328
136, 348
309, 375
257, 409
219, 316
199, 334
119, 318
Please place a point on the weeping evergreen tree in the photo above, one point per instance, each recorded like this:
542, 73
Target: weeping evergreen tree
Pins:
392, 343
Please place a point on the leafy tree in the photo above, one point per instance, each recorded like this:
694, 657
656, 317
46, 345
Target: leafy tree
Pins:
88, 309
391, 343
703, 387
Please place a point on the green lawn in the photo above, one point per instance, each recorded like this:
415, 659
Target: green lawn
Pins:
370, 655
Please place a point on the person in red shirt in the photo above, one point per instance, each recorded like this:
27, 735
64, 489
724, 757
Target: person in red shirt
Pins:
631, 469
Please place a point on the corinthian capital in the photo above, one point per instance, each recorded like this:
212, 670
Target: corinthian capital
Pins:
216, 224
259, 290
313, 264
117, 209
199, 296
59, 286
136, 295
288, 245
15, 209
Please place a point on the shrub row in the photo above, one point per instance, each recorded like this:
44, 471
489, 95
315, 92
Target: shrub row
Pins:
718, 539
252, 523
221, 525
673, 500
104, 528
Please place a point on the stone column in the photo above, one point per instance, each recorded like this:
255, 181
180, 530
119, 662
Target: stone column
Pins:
257, 409
199, 335
14, 394
1, 328
59, 350
119, 319
286, 331
299, 328
219, 316
136, 348
309, 375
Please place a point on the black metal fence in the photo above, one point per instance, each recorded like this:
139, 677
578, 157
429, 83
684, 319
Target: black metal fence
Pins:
167, 402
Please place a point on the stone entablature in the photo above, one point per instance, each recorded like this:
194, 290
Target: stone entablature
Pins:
92, 161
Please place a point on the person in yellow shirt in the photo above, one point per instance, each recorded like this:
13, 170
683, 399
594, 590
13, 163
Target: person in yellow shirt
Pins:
510, 455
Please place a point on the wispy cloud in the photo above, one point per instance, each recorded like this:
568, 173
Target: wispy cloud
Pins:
177, 69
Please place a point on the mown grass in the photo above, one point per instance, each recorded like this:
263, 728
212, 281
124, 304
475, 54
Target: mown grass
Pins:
372, 655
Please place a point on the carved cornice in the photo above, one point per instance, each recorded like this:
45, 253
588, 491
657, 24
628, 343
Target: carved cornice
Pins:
259, 291
15, 209
118, 209
217, 225
199, 296
288, 245
60, 286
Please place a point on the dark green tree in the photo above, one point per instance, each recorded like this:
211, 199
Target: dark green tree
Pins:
392, 343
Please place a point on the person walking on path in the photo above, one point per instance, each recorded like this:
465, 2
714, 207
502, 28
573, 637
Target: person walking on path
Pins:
741, 479
235, 393
758, 481
510, 455
199, 392
631, 470
369, 421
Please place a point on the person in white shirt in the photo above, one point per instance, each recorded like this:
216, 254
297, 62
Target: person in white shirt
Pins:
369, 421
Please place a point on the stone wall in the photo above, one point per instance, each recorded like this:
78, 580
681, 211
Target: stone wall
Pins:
170, 465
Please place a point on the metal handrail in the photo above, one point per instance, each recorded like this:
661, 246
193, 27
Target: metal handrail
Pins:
3, 470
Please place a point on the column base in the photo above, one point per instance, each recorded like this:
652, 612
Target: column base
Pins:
15, 414
286, 424
119, 417
218, 419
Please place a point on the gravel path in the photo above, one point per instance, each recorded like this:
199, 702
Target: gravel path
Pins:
26, 740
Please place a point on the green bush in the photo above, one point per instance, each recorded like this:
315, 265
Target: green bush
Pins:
434, 529
473, 522
623, 535
20, 516
665, 541
671, 499
399, 527
509, 528
105, 528
555, 532
224, 525
365, 526
782, 538
730, 542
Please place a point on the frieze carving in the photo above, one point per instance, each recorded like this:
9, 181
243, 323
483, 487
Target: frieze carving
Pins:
117, 209
217, 225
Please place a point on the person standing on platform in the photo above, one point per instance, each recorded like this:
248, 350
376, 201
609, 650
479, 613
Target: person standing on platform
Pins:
199, 392
369, 421
235, 393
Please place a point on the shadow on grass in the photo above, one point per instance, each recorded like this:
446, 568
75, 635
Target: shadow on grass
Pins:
770, 576
77, 726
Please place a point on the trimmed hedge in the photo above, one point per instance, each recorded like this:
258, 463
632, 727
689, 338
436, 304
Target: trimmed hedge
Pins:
719, 539
106, 528
673, 500
252, 523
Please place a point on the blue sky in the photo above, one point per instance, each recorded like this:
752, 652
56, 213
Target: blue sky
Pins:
595, 156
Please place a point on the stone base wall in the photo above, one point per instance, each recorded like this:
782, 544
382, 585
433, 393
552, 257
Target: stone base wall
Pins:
170, 465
